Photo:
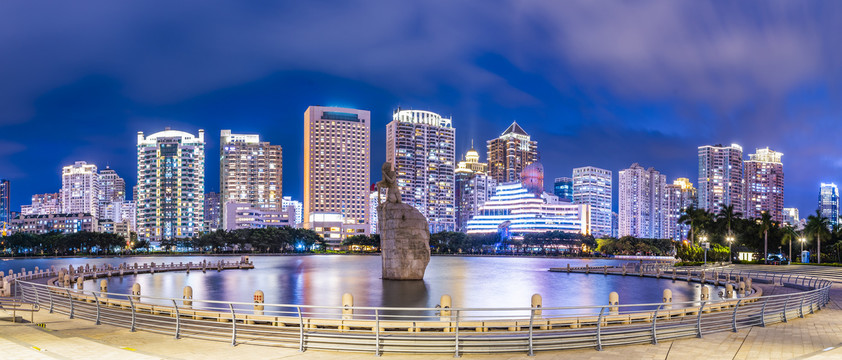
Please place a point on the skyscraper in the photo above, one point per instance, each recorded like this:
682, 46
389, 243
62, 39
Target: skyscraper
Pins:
112, 188
80, 189
641, 203
5, 204
764, 185
510, 153
829, 203
171, 185
420, 146
287, 201
336, 170
250, 171
791, 217
678, 197
473, 188
721, 178
563, 188
593, 186
213, 212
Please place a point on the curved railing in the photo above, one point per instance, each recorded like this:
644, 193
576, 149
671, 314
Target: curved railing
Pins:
438, 330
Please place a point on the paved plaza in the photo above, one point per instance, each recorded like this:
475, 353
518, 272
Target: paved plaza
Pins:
815, 337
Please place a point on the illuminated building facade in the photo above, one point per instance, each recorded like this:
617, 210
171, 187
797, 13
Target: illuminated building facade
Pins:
513, 210
247, 216
721, 178
336, 168
678, 197
420, 146
250, 171
5, 204
112, 188
563, 188
791, 217
171, 185
473, 188
764, 181
63, 223
829, 203
641, 203
510, 153
43, 204
287, 201
80, 189
213, 212
593, 186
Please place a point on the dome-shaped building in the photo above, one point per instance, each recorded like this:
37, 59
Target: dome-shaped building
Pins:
532, 178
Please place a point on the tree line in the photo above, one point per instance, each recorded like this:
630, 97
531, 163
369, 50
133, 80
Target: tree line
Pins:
56, 243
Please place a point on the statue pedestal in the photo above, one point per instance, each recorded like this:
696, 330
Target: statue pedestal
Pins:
404, 241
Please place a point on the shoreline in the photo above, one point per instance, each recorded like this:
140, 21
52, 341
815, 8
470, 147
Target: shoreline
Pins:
619, 257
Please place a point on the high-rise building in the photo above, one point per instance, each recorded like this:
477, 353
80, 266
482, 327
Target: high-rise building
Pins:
213, 212
287, 201
120, 212
112, 189
250, 171
420, 146
43, 204
5, 204
80, 189
678, 197
510, 153
563, 188
593, 186
171, 185
374, 199
791, 217
764, 190
829, 203
641, 202
721, 181
473, 188
336, 169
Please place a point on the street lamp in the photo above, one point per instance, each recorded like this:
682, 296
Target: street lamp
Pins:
730, 239
704, 243
802, 240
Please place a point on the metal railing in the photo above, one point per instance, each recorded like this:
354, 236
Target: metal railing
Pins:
437, 330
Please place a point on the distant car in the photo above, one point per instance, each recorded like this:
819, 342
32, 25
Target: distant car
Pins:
775, 258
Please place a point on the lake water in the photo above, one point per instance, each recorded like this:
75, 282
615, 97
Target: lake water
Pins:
322, 279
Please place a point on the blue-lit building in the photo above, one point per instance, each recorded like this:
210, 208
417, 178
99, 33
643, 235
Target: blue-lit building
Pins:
829, 203
563, 188
513, 211
5, 205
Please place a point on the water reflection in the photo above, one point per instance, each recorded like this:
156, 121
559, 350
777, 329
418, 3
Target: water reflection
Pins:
321, 280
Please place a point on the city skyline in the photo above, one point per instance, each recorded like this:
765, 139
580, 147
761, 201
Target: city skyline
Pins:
578, 96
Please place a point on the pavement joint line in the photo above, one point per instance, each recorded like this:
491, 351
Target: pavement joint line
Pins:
742, 343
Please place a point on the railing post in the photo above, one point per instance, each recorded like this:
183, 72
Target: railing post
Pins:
763, 313
233, 326
71, 302
50, 292
699, 321
377, 332
300, 330
786, 302
599, 329
654, 326
456, 354
734, 316
131, 302
177, 319
531, 321
96, 299
801, 308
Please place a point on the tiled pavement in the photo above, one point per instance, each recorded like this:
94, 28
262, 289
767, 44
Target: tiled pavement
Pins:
815, 337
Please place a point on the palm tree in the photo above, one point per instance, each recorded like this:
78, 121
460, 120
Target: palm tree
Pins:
696, 218
817, 225
728, 215
765, 223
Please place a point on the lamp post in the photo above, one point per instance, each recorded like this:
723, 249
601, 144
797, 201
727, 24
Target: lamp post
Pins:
802, 240
704, 243
730, 239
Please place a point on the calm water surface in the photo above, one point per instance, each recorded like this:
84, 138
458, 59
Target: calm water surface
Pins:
322, 279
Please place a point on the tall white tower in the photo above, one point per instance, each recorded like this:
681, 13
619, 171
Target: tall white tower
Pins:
80, 189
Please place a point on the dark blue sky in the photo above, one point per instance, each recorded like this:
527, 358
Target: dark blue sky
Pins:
595, 83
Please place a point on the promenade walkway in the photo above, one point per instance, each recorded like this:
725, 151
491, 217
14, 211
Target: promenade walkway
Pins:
813, 337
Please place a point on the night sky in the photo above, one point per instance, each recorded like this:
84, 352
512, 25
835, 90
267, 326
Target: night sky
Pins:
601, 83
